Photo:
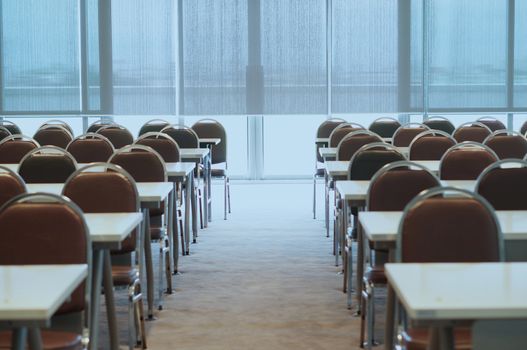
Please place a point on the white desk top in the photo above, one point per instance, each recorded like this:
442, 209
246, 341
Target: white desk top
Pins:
331, 152
193, 153
35, 292
357, 190
461, 291
382, 226
322, 140
108, 228
210, 140
339, 168
148, 191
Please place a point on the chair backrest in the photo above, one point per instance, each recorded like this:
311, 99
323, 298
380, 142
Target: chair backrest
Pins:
430, 145
11, 185
154, 125
53, 135
43, 228
385, 126
440, 123
47, 164
465, 161
141, 162
13, 148
58, 122
104, 188
90, 147
118, 135
471, 131
183, 135
210, 128
4, 132
507, 144
396, 184
353, 141
458, 228
327, 126
163, 144
492, 123
341, 131
523, 128
95, 126
370, 158
504, 184
404, 135
12, 127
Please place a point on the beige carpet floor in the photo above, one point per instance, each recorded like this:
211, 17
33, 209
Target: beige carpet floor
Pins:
263, 279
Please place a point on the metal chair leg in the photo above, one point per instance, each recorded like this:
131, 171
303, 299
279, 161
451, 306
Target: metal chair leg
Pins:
229, 193
225, 198
314, 197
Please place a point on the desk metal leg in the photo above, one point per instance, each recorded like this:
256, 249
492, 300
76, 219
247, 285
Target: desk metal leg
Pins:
390, 319
209, 184
149, 264
326, 198
360, 263
98, 255
110, 301
190, 193
206, 192
18, 340
35, 339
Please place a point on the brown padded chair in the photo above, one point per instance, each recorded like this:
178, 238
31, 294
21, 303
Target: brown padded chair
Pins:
146, 165
210, 128
385, 127
12, 127
471, 131
107, 188
507, 144
13, 148
370, 158
4, 132
53, 135
440, 123
47, 164
391, 189
438, 229
465, 161
163, 144
492, 123
353, 141
523, 128
154, 125
183, 135
323, 131
505, 187
90, 148
59, 123
11, 185
404, 135
118, 135
430, 145
48, 229
95, 126
341, 131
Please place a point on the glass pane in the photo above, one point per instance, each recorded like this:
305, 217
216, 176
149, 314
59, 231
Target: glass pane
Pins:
294, 56
92, 23
365, 56
468, 62
40, 55
144, 56
214, 57
520, 55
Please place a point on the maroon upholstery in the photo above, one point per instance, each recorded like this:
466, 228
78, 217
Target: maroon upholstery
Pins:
209, 129
523, 128
465, 164
440, 124
51, 340
46, 168
349, 146
13, 151
184, 137
471, 133
340, 133
153, 127
89, 150
394, 189
430, 147
417, 338
44, 233
508, 146
55, 136
449, 230
166, 148
324, 130
143, 166
404, 136
4, 133
366, 163
118, 136
493, 124
505, 189
12, 127
384, 127
10, 186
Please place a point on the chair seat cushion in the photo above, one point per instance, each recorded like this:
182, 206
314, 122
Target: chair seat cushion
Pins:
124, 275
217, 172
375, 275
417, 338
51, 340
156, 233
319, 172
